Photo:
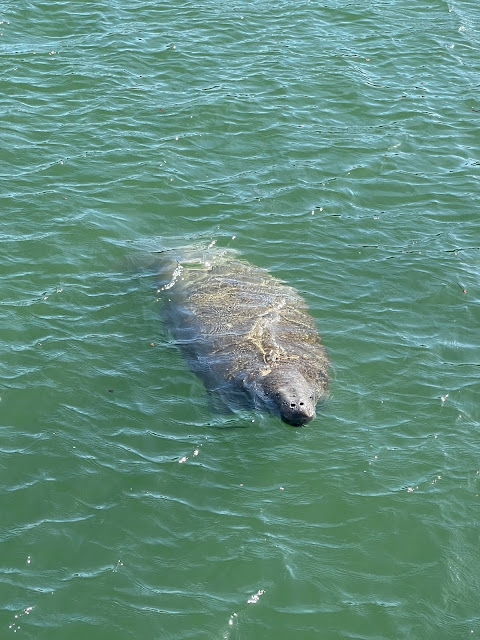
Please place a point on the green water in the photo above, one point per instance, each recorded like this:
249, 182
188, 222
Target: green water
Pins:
337, 145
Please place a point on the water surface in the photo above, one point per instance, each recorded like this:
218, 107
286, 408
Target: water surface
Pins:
336, 145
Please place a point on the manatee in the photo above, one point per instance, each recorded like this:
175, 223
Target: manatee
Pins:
245, 331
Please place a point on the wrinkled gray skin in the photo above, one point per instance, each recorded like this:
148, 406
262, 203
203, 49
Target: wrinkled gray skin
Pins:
291, 395
242, 329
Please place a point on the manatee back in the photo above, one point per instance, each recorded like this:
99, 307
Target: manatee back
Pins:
238, 323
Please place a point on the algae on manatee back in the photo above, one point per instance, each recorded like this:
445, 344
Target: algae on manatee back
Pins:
242, 329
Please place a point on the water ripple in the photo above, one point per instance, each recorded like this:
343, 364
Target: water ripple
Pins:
335, 146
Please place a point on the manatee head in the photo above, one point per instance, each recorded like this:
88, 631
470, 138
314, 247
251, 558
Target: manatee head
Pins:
291, 395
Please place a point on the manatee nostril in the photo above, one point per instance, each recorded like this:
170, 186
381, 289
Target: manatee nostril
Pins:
301, 404
293, 405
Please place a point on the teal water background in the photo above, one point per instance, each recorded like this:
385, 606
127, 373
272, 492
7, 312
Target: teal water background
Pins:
334, 143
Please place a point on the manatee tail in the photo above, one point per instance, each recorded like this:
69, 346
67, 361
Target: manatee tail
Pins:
158, 258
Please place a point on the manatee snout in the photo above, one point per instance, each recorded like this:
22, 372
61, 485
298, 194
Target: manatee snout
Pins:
292, 396
296, 412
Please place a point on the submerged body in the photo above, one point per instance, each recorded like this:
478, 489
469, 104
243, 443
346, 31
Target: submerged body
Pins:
245, 330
